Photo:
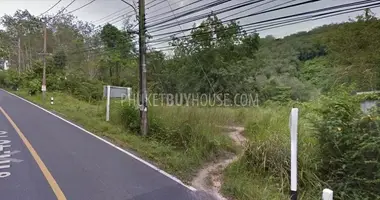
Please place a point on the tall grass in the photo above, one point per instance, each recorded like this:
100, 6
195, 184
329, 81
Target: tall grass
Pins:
195, 132
182, 139
263, 169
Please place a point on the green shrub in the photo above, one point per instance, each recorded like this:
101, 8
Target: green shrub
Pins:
350, 149
130, 117
3, 76
12, 79
55, 83
83, 89
33, 86
184, 129
178, 136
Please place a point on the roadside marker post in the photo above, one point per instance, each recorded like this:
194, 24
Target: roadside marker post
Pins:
51, 100
327, 194
108, 103
293, 123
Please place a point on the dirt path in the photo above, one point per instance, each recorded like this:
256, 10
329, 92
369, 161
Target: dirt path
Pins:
209, 179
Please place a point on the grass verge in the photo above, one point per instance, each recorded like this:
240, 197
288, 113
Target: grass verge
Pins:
182, 162
263, 170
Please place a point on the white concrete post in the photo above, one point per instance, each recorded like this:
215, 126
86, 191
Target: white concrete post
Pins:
129, 92
108, 103
327, 194
293, 122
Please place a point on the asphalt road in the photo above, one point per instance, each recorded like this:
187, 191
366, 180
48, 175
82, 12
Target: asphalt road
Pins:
44, 157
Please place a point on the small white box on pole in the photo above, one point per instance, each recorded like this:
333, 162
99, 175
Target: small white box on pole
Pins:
108, 103
293, 123
327, 194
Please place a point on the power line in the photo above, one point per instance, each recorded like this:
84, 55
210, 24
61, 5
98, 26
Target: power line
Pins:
191, 11
291, 21
162, 1
122, 15
100, 50
247, 9
50, 8
60, 12
278, 18
163, 27
116, 19
286, 22
108, 15
201, 16
271, 25
207, 78
320, 16
161, 8
150, 2
82, 6
171, 11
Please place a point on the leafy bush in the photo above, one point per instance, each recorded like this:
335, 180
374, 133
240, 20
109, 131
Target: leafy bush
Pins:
184, 129
3, 76
33, 86
129, 117
83, 89
350, 149
55, 83
179, 136
12, 79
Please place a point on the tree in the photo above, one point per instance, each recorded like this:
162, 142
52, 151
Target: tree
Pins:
353, 49
118, 49
367, 16
215, 58
60, 60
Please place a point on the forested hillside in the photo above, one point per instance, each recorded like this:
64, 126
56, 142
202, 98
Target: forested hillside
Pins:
215, 58
315, 71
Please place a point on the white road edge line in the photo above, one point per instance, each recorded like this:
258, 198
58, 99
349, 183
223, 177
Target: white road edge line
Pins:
109, 143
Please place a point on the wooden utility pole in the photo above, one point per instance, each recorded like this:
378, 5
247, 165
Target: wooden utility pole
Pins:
142, 70
44, 54
44, 70
142, 67
19, 55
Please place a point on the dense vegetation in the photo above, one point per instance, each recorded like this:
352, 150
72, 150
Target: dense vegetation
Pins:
339, 146
214, 58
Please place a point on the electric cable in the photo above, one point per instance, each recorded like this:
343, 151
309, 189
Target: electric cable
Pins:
171, 11
279, 18
82, 6
50, 8
250, 15
202, 16
191, 11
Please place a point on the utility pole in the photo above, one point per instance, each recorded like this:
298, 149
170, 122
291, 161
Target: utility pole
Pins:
44, 54
142, 67
19, 55
142, 70
43, 88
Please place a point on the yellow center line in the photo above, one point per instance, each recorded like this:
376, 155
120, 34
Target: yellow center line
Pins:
53, 184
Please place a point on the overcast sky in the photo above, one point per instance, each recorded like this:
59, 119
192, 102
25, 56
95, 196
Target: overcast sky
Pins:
102, 8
